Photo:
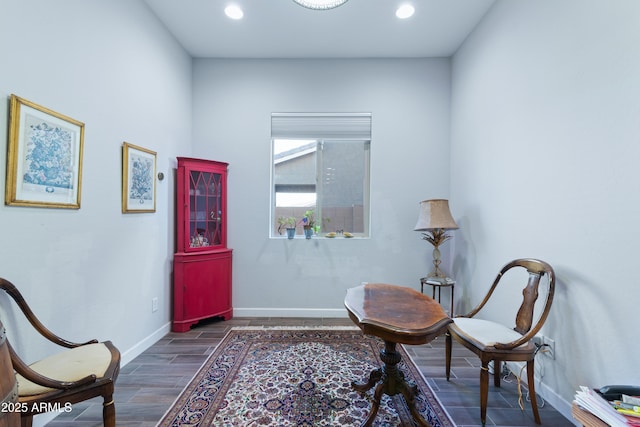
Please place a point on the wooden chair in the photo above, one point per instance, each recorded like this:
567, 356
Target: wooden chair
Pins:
492, 341
81, 372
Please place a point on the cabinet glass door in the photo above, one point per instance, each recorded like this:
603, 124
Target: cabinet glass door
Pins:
205, 209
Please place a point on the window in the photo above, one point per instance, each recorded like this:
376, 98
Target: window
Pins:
320, 163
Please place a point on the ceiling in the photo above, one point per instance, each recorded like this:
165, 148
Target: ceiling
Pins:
283, 29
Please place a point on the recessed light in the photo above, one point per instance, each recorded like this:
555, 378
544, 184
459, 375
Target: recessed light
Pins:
234, 12
405, 11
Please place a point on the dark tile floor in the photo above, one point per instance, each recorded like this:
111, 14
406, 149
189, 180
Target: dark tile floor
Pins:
149, 384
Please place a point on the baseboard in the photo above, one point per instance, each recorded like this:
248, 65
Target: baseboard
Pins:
554, 399
141, 346
290, 312
548, 394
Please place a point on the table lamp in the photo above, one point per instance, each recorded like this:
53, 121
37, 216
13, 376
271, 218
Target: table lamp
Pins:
435, 219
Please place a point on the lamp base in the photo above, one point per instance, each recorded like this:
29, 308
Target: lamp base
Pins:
436, 272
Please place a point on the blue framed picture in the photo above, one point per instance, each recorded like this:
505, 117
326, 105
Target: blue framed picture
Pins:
138, 179
44, 159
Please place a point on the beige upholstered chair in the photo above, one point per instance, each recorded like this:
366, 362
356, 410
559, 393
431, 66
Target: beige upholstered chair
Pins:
495, 342
80, 372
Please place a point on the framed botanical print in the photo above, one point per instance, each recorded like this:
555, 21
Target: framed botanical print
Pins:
44, 158
138, 179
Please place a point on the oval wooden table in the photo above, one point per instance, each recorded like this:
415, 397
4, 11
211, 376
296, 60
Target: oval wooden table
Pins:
398, 315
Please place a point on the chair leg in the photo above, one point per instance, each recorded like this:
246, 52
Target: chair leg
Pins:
26, 421
109, 412
532, 390
497, 372
484, 390
447, 351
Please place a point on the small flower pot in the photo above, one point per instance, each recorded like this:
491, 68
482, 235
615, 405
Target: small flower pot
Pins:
291, 232
308, 232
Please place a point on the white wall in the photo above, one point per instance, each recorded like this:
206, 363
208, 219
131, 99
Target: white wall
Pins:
409, 102
92, 272
545, 148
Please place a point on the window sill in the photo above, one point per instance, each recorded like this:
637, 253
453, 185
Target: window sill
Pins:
301, 237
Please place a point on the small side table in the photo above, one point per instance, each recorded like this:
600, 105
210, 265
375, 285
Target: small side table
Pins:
439, 283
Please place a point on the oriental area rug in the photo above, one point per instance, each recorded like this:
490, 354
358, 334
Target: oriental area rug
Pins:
296, 377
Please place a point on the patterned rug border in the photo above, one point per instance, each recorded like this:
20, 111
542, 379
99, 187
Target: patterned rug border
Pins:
413, 366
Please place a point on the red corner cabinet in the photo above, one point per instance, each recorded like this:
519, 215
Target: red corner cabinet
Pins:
202, 264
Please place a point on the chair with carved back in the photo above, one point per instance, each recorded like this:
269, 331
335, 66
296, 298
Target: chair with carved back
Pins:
492, 341
79, 372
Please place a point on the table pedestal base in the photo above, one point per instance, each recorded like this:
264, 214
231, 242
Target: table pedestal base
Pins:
390, 381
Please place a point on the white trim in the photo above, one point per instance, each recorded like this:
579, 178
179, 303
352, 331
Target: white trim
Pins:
144, 344
555, 400
290, 312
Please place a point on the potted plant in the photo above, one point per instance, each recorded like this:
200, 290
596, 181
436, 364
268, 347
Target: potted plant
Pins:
289, 224
309, 223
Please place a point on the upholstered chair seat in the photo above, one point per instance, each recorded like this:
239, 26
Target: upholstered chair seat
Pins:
485, 333
67, 366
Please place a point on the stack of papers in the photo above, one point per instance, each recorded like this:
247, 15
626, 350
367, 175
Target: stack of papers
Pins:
591, 401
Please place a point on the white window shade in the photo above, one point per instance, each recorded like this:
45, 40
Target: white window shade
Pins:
321, 126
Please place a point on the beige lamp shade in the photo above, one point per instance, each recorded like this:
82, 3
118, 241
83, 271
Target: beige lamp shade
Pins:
435, 214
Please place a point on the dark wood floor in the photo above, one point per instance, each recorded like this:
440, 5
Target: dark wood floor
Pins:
148, 385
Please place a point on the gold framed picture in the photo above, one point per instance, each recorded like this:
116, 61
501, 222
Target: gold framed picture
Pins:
44, 158
138, 179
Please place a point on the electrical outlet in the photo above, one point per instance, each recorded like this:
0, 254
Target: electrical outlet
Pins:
550, 347
154, 304
538, 340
